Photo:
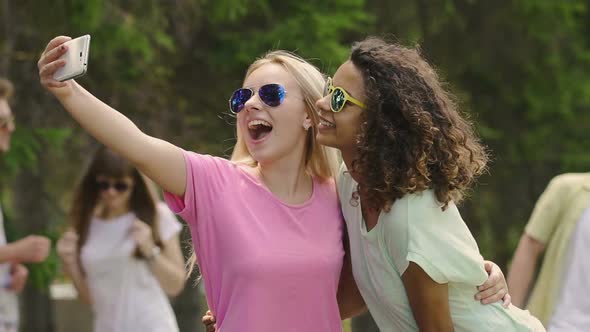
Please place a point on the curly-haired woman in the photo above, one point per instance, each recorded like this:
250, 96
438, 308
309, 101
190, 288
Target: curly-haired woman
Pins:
409, 157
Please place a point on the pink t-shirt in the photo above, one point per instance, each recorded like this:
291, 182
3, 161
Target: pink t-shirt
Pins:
267, 266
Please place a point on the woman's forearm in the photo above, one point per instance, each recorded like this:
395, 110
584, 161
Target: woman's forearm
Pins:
428, 299
107, 125
350, 301
158, 159
7, 253
79, 281
169, 274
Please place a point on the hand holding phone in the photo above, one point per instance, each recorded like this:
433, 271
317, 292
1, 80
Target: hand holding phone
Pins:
76, 59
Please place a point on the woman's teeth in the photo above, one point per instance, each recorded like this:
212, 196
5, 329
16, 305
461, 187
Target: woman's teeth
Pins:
326, 123
254, 123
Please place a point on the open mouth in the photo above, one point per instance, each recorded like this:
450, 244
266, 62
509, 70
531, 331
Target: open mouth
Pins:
259, 129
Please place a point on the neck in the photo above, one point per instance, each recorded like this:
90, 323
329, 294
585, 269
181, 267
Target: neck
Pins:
348, 156
287, 179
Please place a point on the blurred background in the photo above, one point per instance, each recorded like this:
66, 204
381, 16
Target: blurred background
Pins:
520, 69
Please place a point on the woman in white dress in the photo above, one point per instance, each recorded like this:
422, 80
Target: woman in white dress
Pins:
122, 251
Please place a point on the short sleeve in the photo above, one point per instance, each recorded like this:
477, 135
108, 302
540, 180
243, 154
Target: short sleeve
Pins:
168, 224
547, 211
440, 242
206, 176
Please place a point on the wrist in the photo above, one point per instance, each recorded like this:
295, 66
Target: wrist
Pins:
147, 248
11, 253
70, 265
153, 254
68, 91
73, 271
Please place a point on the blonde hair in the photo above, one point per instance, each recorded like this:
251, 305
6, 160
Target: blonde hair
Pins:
320, 162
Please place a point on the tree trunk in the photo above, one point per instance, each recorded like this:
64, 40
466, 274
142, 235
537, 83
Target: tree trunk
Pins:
32, 216
9, 38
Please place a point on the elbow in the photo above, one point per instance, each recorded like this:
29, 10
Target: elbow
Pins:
350, 312
350, 306
85, 298
173, 292
173, 289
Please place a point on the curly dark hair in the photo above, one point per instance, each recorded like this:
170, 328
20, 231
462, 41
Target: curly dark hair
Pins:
412, 136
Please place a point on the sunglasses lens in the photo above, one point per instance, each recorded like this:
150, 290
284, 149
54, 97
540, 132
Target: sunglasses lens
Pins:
121, 186
272, 94
238, 99
338, 100
106, 185
103, 185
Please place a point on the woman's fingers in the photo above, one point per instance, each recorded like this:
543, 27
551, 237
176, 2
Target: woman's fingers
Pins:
47, 72
51, 56
55, 42
49, 69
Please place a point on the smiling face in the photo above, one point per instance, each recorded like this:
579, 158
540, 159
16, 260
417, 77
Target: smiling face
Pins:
6, 125
273, 132
340, 130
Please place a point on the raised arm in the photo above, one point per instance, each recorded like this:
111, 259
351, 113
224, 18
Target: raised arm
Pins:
158, 159
429, 300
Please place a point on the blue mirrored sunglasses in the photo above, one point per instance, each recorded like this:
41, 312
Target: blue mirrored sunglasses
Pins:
271, 94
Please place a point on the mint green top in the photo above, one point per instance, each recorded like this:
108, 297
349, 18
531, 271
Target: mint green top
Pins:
418, 230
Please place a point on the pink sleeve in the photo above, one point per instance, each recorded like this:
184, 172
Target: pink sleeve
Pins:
206, 176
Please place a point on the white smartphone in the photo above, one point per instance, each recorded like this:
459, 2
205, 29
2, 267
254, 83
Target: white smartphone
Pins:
76, 59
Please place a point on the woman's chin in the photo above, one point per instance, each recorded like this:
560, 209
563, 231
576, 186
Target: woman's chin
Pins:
326, 140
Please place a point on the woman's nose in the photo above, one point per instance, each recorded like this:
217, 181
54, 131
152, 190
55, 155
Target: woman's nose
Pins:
323, 104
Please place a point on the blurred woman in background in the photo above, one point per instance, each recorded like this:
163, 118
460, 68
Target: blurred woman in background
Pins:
122, 252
